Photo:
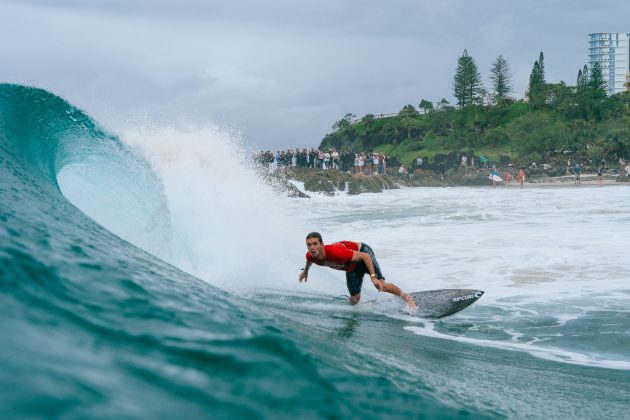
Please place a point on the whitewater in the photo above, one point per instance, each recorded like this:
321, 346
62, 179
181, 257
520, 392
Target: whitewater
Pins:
150, 272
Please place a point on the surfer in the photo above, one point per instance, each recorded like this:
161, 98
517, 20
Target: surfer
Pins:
356, 259
494, 176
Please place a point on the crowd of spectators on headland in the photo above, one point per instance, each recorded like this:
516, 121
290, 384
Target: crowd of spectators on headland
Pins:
331, 159
376, 163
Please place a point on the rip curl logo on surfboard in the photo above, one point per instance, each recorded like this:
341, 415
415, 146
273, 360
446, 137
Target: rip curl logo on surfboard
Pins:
443, 302
475, 295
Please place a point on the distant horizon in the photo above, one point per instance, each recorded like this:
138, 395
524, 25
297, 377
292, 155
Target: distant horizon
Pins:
280, 74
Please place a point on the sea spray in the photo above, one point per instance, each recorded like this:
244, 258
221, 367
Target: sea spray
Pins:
229, 227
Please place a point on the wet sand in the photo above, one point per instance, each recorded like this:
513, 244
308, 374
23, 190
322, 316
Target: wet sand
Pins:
565, 181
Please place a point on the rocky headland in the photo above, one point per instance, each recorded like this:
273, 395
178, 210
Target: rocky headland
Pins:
331, 182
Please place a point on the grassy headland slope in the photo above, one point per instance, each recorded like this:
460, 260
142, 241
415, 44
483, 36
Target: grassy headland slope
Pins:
564, 122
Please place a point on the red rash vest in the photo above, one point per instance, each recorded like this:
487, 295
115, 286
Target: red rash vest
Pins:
338, 256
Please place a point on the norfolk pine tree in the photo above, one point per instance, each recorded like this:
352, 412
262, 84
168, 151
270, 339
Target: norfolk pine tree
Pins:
596, 79
582, 80
541, 66
537, 82
467, 81
501, 79
596, 88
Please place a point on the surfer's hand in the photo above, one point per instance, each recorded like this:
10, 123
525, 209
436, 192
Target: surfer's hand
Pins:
303, 276
378, 284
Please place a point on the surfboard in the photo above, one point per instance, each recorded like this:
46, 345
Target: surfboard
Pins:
494, 178
443, 302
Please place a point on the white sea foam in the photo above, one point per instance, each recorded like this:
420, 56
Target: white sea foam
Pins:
546, 258
542, 352
507, 242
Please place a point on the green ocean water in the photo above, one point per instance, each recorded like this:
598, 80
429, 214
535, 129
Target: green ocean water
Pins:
93, 326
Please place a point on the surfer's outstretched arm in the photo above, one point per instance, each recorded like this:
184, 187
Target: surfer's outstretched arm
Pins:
304, 274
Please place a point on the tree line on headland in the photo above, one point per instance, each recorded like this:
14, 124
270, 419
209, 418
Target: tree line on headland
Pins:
553, 121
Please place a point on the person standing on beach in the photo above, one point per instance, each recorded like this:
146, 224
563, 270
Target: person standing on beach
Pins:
600, 175
402, 171
494, 174
521, 177
356, 259
578, 172
508, 175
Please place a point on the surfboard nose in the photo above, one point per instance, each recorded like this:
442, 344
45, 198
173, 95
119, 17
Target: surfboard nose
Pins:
444, 302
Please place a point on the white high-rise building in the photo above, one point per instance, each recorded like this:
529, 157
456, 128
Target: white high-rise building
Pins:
612, 52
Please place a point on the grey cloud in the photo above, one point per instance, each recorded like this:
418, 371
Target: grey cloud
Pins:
283, 71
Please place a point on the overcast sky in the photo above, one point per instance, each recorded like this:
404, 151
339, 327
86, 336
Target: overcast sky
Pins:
279, 71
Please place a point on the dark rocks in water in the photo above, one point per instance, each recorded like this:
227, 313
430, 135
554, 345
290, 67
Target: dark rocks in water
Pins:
478, 180
360, 183
326, 182
330, 181
621, 178
280, 182
421, 179
430, 180
466, 176
293, 191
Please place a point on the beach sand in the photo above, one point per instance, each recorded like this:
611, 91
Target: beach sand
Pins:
565, 181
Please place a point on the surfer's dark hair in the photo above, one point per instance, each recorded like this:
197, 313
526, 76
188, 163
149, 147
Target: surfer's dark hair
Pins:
315, 235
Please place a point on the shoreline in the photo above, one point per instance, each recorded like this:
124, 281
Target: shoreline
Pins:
564, 181
332, 182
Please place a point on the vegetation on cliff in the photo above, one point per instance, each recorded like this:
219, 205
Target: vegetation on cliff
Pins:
553, 119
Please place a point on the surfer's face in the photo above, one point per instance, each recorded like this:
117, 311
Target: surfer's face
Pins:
314, 246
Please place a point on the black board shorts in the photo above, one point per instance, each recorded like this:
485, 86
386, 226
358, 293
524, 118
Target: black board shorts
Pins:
354, 278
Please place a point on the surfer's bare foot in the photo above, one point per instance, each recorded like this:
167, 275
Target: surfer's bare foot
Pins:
412, 305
